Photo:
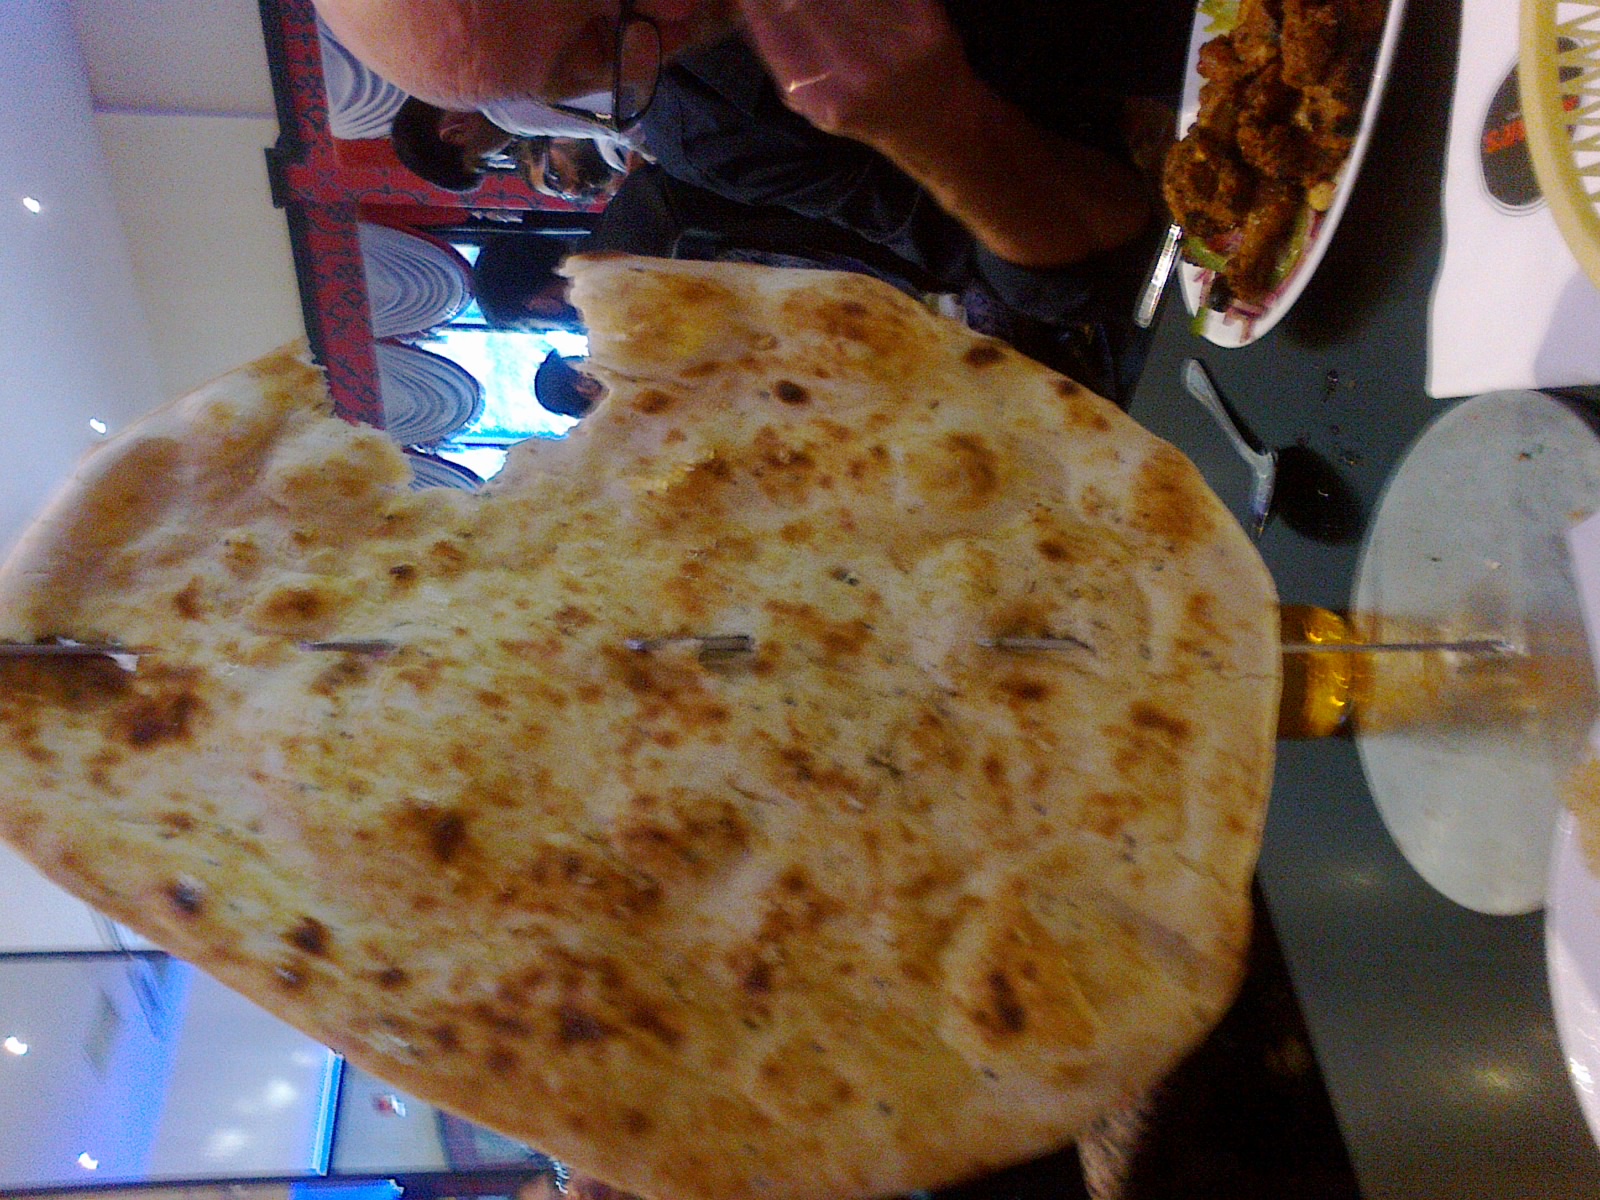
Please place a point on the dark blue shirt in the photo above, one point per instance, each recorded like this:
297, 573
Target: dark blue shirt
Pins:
718, 123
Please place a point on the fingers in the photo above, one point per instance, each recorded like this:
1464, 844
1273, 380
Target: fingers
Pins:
794, 85
853, 66
786, 39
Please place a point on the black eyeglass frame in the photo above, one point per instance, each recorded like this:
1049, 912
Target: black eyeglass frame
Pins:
614, 121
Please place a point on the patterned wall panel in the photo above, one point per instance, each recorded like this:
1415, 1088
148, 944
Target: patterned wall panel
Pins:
326, 185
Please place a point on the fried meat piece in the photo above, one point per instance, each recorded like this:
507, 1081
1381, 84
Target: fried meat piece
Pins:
1251, 266
1255, 33
1269, 140
1312, 36
1330, 114
1208, 188
1330, 109
1225, 78
1279, 109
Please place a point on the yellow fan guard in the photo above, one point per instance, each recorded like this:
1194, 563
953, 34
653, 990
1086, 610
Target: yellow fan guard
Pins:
1563, 141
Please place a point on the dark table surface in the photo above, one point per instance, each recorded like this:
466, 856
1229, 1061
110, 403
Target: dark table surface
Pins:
1432, 1024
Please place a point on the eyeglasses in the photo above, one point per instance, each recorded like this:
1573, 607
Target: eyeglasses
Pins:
635, 71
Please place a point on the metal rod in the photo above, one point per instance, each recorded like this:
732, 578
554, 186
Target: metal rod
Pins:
67, 650
352, 646
727, 643
1034, 643
1479, 646
1144, 312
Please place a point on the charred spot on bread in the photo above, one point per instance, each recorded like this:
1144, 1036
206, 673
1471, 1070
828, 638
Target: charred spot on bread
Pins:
984, 354
162, 713
310, 935
790, 392
185, 896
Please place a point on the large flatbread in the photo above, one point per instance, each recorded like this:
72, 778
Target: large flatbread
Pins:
874, 907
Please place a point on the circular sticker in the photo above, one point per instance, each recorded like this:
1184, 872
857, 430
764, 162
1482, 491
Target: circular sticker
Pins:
1503, 151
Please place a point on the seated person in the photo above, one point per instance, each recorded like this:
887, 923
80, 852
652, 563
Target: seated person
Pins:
516, 285
969, 97
534, 118
659, 214
570, 169
449, 148
720, 122
561, 388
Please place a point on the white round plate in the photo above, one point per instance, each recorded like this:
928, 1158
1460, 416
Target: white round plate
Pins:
413, 282
1464, 755
1237, 327
425, 396
428, 471
1572, 959
361, 104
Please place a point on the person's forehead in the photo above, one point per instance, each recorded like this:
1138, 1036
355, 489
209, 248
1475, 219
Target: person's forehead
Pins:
459, 53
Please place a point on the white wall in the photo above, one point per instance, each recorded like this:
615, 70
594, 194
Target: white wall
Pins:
156, 1072
37, 915
182, 96
211, 256
156, 259
184, 56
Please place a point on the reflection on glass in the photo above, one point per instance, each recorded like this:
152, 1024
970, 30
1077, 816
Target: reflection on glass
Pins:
137, 1068
504, 362
1317, 688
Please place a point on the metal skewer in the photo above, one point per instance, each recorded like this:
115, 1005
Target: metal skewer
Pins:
67, 650
1473, 646
1034, 643
728, 643
125, 657
1144, 312
1477, 646
744, 643
352, 646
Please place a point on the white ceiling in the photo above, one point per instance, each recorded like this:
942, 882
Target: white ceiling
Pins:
78, 346
155, 259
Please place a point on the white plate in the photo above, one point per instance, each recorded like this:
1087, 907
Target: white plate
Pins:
1469, 541
1572, 958
425, 396
413, 282
361, 104
428, 472
1233, 329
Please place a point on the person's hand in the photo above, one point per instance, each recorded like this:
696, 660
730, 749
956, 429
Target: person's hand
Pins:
873, 70
894, 74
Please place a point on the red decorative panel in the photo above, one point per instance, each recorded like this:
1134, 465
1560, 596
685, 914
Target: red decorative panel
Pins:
326, 185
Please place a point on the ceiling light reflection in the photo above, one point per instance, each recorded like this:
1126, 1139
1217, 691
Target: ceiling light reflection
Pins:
96, 424
226, 1143
1581, 1075
32, 205
15, 1045
88, 1161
